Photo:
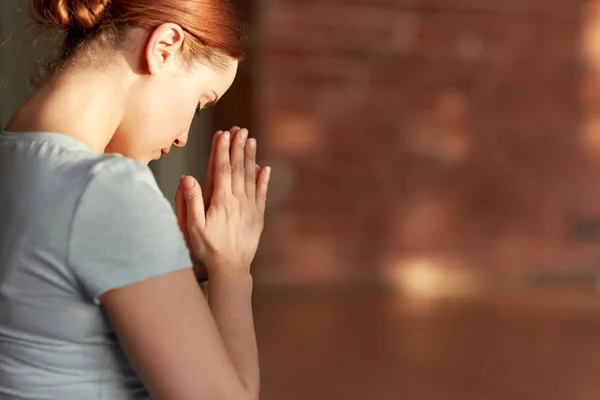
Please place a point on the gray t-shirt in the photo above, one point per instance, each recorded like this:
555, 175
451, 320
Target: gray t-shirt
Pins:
73, 225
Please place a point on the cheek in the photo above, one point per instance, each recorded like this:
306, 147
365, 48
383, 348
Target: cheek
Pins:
172, 119
179, 120
167, 112
182, 106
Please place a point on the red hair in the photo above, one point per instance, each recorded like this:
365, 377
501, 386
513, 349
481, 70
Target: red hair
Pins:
212, 26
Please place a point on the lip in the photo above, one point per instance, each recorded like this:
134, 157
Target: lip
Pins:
163, 151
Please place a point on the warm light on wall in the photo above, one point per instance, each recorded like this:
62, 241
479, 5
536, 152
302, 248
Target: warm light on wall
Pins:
429, 277
591, 35
590, 85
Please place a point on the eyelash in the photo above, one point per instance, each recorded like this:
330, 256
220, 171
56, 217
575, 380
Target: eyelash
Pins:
198, 109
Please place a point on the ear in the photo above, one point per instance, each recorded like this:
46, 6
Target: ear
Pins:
162, 46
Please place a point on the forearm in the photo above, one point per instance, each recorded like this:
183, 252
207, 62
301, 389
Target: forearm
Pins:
230, 299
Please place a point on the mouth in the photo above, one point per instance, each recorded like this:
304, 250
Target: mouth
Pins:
164, 151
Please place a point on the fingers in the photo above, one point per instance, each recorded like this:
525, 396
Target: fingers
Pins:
210, 172
242, 168
234, 132
250, 168
262, 185
222, 175
194, 204
180, 210
238, 176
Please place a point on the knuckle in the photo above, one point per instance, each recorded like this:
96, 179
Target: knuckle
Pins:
224, 168
262, 196
238, 169
217, 199
194, 195
221, 200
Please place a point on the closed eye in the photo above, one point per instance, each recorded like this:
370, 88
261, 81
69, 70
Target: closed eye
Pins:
207, 105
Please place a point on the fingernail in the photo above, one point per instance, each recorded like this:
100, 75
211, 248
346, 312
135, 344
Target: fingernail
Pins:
252, 143
188, 182
226, 137
268, 172
243, 134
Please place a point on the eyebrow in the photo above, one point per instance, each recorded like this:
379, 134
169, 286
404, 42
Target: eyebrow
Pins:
213, 102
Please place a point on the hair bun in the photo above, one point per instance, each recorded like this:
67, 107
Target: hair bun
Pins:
69, 14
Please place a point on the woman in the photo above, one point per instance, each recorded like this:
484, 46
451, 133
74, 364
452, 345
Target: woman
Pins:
98, 297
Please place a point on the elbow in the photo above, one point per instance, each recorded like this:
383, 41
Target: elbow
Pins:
251, 392
240, 387
243, 392
250, 387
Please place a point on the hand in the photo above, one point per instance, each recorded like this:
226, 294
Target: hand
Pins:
210, 172
180, 206
227, 234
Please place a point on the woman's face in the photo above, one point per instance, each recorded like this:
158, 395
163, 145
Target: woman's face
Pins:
162, 103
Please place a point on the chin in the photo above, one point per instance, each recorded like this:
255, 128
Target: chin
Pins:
155, 157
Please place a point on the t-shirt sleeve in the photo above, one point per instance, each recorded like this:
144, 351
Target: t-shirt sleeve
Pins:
124, 230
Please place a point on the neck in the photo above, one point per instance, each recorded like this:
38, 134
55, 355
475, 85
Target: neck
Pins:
86, 104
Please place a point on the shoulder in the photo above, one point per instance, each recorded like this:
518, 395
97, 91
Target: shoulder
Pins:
122, 191
124, 230
116, 181
115, 171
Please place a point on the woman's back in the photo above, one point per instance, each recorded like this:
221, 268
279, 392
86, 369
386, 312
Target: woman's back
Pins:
68, 220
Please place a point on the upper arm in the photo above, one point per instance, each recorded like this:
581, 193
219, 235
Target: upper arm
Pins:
168, 332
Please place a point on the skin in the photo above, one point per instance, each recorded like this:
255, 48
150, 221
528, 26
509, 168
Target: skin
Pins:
141, 101
139, 104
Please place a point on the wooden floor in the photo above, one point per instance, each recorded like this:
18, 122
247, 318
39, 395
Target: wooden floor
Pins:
376, 345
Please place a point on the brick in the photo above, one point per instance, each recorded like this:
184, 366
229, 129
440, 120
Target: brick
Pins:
462, 129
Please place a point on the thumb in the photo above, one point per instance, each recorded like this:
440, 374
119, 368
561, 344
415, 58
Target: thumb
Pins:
180, 211
192, 193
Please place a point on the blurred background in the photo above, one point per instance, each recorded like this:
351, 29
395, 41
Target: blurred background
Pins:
433, 229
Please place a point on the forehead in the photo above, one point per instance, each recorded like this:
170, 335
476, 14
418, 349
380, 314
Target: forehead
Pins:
217, 79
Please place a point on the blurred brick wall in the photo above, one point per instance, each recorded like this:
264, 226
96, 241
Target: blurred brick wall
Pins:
451, 130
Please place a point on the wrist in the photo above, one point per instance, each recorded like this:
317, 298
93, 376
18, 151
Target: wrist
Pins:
229, 273
227, 267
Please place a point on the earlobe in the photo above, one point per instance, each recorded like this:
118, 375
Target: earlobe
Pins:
162, 46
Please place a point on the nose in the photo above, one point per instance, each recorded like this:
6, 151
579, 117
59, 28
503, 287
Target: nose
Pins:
181, 140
